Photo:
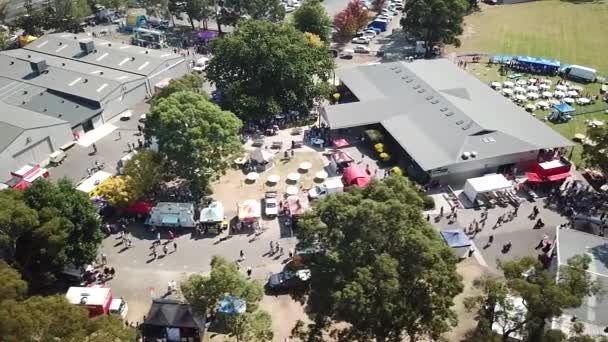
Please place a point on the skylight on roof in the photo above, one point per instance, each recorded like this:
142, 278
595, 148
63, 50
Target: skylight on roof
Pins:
444, 109
449, 114
435, 101
459, 122
430, 97
421, 90
416, 86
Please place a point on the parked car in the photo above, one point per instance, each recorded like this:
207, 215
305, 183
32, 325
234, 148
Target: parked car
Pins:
347, 54
362, 49
360, 40
385, 17
288, 281
370, 32
119, 308
271, 208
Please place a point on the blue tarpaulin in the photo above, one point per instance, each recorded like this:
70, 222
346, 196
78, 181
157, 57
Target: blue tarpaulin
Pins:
213, 213
564, 108
455, 238
232, 306
539, 62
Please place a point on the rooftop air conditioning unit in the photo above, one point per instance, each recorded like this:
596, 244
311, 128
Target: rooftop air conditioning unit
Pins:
39, 66
87, 47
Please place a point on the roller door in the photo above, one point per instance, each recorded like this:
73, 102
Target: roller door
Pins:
34, 153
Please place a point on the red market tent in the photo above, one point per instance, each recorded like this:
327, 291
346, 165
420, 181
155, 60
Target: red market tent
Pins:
355, 176
339, 143
549, 171
140, 207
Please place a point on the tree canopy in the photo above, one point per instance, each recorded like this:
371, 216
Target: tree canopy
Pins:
265, 68
145, 170
543, 297
189, 82
47, 227
595, 154
350, 19
311, 17
197, 138
119, 191
12, 286
435, 22
385, 270
205, 293
270, 10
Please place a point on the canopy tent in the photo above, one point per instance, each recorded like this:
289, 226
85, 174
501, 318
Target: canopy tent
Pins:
455, 238
213, 213
232, 306
564, 108
207, 35
354, 175
249, 210
140, 207
341, 157
341, 143
549, 171
535, 62
501, 59
261, 156
92, 182
297, 205
487, 183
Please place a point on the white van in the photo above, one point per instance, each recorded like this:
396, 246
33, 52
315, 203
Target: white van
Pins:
201, 64
331, 185
578, 72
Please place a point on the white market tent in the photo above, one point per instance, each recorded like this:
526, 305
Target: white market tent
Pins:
261, 156
487, 183
92, 182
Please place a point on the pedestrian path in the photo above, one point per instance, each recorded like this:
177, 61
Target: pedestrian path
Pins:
93, 136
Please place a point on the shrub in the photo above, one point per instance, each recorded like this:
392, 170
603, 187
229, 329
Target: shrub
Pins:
385, 156
374, 135
396, 170
428, 203
379, 147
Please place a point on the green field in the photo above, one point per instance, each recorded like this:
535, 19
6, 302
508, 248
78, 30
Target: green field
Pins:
572, 32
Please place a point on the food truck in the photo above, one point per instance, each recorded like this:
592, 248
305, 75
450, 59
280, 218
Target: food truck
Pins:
172, 214
97, 300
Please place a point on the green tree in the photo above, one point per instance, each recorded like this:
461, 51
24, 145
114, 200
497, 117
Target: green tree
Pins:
204, 293
197, 138
385, 271
271, 10
312, 17
594, 153
190, 82
145, 170
33, 20
542, 296
265, 68
436, 22
16, 220
378, 5
68, 14
12, 286
114, 4
119, 191
54, 319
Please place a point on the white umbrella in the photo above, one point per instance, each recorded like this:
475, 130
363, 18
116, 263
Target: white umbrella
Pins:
496, 85
543, 104
508, 84
547, 94
583, 100
561, 87
533, 96
293, 176
576, 88
291, 190
274, 178
520, 98
321, 175
572, 93
559, 93
546, 81
569, 100
305, 166
522, 82
544, 86
554, 102
533, 88
253, 175
519, 89
530, 107
532, 80
507, 91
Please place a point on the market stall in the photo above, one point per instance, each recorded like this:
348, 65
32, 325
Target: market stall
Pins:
556, 170
26, 175
89, 184
355, 176
249, 213
212, 216
172, 214
261, 159
473, 187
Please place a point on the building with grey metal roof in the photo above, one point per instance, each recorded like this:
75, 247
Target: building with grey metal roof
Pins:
593, 313
448, 122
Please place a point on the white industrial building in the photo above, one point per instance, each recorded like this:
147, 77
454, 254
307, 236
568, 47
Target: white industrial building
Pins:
450, 126
64, 85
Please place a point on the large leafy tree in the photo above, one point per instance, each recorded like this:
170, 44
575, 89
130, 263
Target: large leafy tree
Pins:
204, 293
190, 82
350, 19
47, 227
312, 17
54, 319
12, 286
385, 270
266, 68
264, 9
119, 191
34, 20
594, 151
196, 137
145, 170
68, 14
435, 22
543, 297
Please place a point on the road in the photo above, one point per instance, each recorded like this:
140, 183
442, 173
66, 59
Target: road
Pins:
334, 6
15, 8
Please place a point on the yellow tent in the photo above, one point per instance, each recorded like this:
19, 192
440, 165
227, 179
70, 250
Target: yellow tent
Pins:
24, 40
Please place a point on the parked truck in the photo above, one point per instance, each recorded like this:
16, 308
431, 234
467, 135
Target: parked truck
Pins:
379, 24
578, 72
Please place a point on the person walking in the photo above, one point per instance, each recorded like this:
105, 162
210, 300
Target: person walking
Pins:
515, 211
490, 239
94, 148
242, 255
441, 212
249, 270
165, 250
154, 252
171, 236
104, 259
112, 272
174, 246
271, 247
276, 247
158, 238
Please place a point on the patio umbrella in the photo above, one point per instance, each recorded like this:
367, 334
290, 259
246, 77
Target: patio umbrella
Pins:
543, 104
547, 94
305, 166
293, 176
507, 91
508, 84
576, 88
532, 88
253, 176
520, 98
544, 86
530, 107
561, 87
496, 85
532, 80
321, 175
559, 93
572, 93
533, 96
273, 178
522, 82
291, 190
519, 89
569, 100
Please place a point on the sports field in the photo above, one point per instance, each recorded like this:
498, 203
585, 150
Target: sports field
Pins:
569, 31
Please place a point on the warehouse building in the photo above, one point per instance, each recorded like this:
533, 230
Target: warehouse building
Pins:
447, 124
64, 85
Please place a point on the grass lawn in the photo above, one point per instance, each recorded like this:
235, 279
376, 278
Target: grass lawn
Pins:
572, 32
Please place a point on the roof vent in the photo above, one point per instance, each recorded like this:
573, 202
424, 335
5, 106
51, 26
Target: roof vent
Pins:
12, 62
87, 47
85, 80
435, 101
132, 58
62, 64
147, 52
60, 43
421, 91
430, 97
39, 67
449, 114
75, 37
41, 93
459, 122
44, 110
25, 92
473, 154
109, 44
29, 56
77, 106
62, 101
22, 102
444, 109
465, 155
101, 72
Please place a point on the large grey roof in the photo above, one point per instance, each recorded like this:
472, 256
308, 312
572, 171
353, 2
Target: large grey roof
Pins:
594, 309
437, 111
15, 120
128, 58
67, 81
